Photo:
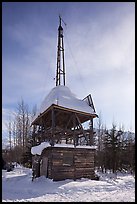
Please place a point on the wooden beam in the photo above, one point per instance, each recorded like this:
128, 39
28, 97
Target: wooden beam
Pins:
91, 132
88, 115
71, 117
80, 123
74, 126
53, 126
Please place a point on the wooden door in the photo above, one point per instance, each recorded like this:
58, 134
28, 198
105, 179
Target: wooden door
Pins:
44, 166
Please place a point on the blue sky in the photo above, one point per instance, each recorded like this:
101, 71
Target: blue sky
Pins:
99, 42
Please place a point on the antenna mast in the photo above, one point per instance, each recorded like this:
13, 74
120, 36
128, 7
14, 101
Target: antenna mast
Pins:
60, 72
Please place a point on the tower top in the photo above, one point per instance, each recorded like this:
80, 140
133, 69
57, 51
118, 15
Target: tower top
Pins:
60, 72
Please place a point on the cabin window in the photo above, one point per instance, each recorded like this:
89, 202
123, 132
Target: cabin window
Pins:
67, 159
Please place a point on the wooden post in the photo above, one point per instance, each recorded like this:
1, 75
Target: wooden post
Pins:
74, 125
74, 166
80, 125
91, 132
53, 126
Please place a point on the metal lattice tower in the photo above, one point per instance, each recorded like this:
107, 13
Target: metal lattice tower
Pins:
60, 72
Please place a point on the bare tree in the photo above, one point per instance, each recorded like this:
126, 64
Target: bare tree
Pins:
10, 135
22, 124
34, 111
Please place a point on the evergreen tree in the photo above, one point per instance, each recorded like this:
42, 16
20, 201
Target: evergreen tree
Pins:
112, 145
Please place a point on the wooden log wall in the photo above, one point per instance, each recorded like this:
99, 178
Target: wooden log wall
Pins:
69, 163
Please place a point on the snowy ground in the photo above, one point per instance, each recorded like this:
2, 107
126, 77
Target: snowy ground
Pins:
18, 187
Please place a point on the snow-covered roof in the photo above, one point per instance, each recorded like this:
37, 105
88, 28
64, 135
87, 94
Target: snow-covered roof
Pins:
63, 97
39, 148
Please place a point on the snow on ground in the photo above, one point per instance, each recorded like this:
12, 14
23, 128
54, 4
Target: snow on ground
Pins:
17, 186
